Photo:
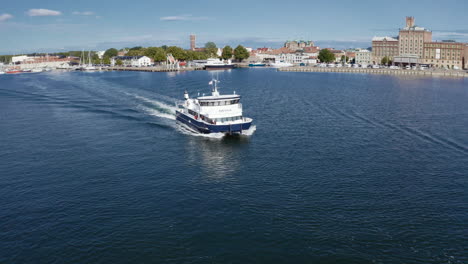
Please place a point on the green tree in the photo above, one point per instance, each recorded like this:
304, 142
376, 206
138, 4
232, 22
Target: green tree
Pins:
156, 53
326, 56
95, 59
227, 53
385, 60
241, 53
178, 53
119, 62
106, 60
344, 58
111, 53
136, 51
211, 49
196, 55
210, 45
75, 53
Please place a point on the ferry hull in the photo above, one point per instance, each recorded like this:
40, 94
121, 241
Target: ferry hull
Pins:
202, 127
219, 67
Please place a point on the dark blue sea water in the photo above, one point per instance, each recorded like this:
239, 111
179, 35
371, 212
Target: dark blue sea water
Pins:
342, 168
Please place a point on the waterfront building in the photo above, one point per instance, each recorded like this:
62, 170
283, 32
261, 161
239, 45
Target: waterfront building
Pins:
100, 54
384, 47
295, 45
445, 54
363, 57
465, 57
311, 50
338, 54
19, 59
351, 55
294, 58
122, 52
134, 61
193, 42
310, 60
32, 62
412, 39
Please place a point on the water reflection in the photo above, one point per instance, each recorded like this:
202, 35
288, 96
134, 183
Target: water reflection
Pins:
218, 157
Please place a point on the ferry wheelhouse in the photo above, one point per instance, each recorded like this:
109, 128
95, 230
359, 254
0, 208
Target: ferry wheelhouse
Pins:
214, 113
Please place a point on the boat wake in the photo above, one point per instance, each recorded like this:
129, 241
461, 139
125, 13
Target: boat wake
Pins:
156, 108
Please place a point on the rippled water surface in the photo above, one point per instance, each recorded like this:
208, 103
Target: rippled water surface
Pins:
342, 168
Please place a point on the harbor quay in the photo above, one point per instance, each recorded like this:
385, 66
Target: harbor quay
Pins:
441, 73
153, 69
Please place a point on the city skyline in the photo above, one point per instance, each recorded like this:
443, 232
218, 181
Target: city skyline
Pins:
29, 26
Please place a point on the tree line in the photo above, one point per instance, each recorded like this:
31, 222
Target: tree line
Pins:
159, 54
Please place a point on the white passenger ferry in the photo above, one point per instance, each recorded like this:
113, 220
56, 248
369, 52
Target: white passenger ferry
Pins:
213, 114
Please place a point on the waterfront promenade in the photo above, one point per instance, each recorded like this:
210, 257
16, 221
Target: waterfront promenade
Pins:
447, 73
153, 69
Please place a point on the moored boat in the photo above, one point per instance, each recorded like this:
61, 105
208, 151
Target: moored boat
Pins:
281, 64
215, 64
257, 64
214, 113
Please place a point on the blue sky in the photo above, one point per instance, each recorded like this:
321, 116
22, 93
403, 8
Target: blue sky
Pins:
45, 26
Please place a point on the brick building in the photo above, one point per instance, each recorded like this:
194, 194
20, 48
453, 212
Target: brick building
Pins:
193, 42
298, 44
446, 54
465, 57
384, 47
412, 39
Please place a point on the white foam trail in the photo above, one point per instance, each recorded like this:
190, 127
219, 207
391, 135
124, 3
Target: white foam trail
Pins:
249, 131
163, 110
157, 103
154, 112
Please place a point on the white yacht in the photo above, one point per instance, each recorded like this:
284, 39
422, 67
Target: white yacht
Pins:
280, 64
214, 113
214, 64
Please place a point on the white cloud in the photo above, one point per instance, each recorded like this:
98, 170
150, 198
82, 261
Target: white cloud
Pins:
5, 17
43, 12
85, 13
182, 18
449, 34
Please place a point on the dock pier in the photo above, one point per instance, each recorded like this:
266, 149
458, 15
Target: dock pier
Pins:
153, 69
441, 73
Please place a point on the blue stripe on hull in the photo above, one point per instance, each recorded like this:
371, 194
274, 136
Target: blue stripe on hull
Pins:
207, 128
216, 67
